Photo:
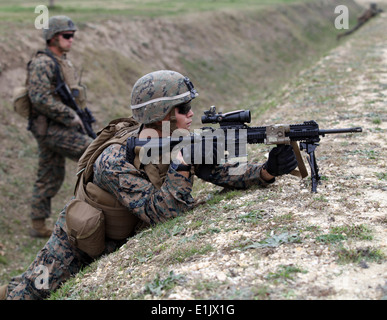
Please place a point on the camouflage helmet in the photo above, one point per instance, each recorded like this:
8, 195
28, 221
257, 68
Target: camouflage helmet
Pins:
58, 24
155, 94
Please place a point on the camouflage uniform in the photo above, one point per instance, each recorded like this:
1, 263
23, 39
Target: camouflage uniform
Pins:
50, 123
134, 190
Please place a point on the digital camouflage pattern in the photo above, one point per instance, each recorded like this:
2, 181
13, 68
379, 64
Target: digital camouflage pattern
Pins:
41, 86
50, 123
61, 261
53, 265
133, 189
58, 144
58, 24
155, 94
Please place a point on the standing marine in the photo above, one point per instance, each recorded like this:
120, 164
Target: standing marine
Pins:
55, 126
118, 192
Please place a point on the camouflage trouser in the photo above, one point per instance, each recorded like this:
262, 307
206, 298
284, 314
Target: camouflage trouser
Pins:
59, 142
53, 265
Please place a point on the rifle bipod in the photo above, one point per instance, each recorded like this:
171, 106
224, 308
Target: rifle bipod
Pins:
309, 148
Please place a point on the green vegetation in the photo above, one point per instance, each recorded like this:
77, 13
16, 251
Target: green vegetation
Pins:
360, 254
158, 285
381, 175
23, 12
275, 241
284, 273
337, 234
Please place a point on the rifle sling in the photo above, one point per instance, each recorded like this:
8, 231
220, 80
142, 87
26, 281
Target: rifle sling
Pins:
301, 172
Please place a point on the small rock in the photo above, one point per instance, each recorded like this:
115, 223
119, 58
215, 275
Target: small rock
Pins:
221, 276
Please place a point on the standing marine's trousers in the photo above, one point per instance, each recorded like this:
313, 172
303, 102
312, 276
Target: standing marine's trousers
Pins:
55, 146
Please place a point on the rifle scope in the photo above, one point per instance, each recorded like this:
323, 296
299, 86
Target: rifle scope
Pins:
239, 116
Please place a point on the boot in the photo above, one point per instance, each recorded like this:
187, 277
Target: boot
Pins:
3, 292
39, 229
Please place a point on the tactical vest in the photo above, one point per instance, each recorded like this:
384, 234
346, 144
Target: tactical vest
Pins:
70, 77
21, 101
117, 132
95, 213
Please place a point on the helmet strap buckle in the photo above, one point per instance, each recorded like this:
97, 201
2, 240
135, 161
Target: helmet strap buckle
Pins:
190, 87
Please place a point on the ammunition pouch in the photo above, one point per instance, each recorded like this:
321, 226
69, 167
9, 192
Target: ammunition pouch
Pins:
79, 94
95, 214
21, 102
85, 227
119, 222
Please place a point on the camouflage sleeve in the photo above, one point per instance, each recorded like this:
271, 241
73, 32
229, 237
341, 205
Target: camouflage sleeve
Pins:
40, 90
134, 190
237, 176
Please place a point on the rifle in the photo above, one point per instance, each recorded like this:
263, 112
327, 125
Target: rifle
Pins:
235, 132
67, 98
86, 116
307, 134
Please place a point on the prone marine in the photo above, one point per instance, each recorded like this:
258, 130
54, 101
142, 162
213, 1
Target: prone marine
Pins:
117, 193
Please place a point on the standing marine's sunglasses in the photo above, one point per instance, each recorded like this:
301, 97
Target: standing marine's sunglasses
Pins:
67, 36
184, 108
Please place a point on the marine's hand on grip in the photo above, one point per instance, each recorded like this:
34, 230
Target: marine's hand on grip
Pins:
282, 160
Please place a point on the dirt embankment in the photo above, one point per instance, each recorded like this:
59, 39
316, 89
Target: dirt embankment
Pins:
230, 54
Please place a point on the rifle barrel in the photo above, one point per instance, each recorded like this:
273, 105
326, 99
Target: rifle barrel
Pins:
344, 130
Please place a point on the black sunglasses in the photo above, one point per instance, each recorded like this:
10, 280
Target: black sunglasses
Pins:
67, 36
184, 108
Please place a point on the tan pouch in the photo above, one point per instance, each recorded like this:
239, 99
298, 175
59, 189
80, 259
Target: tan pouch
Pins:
79, 94
119, 222
21, 102
85, 227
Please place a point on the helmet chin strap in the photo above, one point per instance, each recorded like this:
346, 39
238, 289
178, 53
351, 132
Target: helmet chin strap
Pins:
55, 43
172, 121
159, 124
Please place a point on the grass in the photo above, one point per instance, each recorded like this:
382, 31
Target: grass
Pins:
340, 233
95, 10
275, 241
358, 255
284, 273
381, 175
159, 286
184, 253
